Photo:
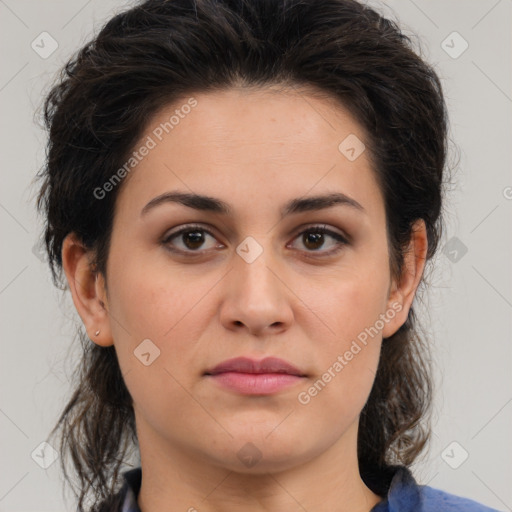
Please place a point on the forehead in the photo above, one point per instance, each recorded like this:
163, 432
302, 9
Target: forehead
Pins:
239, 118
243, 142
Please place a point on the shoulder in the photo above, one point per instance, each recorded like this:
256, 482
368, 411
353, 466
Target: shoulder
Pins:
404, 494
440, 501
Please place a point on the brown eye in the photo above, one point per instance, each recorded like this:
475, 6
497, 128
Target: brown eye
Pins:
318, 237
313, 240
193, 239
190, 239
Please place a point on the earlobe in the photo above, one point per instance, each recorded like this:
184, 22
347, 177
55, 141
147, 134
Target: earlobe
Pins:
87, 290
402, 294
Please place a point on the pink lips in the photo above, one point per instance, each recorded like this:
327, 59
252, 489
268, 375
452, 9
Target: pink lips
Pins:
251, 377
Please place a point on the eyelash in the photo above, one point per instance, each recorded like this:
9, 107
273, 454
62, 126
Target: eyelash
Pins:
319, 229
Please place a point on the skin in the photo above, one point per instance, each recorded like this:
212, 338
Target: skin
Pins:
255, 149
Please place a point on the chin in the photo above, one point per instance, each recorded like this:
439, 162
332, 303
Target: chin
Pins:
263, 453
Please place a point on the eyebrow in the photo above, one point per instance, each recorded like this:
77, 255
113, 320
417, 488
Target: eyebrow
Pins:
211, 204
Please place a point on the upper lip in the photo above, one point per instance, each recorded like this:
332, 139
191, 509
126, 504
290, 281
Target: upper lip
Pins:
247, 365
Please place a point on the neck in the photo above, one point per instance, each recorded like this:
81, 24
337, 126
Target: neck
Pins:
179, 480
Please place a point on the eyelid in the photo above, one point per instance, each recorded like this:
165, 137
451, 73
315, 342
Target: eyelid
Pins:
322, 226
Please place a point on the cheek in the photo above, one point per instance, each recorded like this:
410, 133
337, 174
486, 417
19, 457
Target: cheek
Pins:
151, 296
150, 303
347, 360
172, 308
354, 309
348, 350
352, 303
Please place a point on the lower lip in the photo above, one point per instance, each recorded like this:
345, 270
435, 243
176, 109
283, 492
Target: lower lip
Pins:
256, 383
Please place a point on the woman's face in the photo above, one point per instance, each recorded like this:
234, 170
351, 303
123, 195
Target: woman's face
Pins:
250, 281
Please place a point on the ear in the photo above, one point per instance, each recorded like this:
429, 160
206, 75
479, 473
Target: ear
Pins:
402, 292
87, 289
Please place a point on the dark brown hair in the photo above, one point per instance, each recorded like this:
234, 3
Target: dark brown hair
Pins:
148, 56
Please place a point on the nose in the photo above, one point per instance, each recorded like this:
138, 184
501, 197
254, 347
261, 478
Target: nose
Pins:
256, 297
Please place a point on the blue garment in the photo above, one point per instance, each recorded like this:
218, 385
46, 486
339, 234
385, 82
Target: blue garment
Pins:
404, 494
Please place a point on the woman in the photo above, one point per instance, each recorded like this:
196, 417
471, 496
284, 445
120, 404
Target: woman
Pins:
242, 197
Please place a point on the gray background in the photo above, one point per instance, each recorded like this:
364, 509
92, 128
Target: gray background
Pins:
469, 305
